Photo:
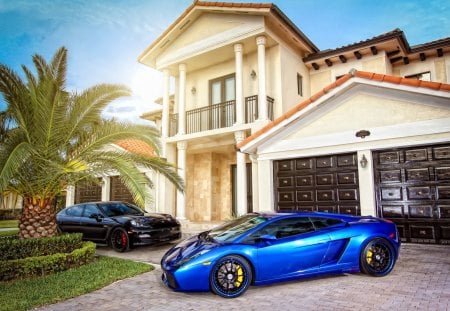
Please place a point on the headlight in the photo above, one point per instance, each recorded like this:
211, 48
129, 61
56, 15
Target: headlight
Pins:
137, 223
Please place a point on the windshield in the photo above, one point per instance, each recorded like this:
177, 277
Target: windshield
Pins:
120, 209
235, 228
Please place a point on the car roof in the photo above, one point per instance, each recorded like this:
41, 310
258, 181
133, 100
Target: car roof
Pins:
272, 214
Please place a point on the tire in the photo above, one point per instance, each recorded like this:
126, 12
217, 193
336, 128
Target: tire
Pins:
377, 258
230, 277
119, 240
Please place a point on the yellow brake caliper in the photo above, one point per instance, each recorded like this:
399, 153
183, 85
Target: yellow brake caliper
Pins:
240, 276
369, 256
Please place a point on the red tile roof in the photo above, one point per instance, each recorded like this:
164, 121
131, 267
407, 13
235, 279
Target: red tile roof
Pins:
354, 73
136, 146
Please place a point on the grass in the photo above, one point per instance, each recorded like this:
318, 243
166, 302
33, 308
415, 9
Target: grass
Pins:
30, 293
9, 223
9, 232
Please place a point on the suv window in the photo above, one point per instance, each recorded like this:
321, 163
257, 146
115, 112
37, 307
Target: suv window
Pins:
75, 211
90, 209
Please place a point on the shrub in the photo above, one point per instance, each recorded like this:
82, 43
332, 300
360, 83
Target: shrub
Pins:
42, 265
10, 214
13, 248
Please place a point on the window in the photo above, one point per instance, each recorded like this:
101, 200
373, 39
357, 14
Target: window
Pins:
299, 84
75, 211
425, 76
282, 228
90, 209
322, 222
222, 89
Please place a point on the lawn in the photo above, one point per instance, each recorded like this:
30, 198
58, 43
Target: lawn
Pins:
9, 223
31, 293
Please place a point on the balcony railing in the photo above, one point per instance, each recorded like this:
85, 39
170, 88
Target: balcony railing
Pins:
218, 116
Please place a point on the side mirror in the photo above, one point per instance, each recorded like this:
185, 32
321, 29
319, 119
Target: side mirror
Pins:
97, 217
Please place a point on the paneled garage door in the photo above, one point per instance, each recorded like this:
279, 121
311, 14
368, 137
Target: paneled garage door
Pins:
325, 184
413, 190
88, 192
119, 192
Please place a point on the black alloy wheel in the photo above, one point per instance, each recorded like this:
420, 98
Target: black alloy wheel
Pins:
230, 276
377, 257
119, 239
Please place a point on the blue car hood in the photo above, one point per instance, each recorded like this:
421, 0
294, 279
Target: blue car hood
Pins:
187, 249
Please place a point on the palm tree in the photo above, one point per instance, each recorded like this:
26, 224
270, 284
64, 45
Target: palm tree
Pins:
51, 139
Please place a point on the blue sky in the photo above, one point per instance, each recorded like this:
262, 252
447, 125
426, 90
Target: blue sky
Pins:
105, 37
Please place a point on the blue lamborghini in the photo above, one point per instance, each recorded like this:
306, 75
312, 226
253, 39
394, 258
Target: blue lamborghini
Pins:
264, 248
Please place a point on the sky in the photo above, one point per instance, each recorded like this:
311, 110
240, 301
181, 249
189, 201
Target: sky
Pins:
105, 37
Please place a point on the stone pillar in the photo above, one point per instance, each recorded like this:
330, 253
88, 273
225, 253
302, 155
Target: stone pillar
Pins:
182, 100
241, 177
181, 202
262, 96
238, 49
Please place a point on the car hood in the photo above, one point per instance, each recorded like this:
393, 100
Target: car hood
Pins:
149, 219
187, 249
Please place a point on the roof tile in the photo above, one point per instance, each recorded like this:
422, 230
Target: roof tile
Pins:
136, 146
360, 74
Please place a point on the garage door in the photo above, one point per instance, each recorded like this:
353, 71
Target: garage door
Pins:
119, 192
88, 192
413, 190
325, 184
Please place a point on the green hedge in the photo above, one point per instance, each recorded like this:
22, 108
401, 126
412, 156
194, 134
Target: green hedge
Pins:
9, 214
42, 265
13, 248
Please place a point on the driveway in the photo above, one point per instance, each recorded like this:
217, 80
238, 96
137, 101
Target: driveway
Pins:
419, 281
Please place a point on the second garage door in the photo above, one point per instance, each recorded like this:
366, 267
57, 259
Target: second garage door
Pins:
324, 184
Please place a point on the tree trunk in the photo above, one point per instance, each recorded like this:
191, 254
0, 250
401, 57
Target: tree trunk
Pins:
38, 219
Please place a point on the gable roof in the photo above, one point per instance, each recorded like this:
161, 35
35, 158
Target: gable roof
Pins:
197, 7
288, 117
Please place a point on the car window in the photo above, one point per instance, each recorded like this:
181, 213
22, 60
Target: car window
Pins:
323, 222
75, 211
236, 227
90, 209
120, 209
282, 228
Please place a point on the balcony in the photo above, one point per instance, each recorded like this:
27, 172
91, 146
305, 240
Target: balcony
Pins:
218, 116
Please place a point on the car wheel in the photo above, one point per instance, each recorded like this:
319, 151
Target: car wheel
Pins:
230, 276
377, 257
119, 239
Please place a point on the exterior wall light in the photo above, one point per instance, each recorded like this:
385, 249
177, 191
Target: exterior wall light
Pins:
363, 161
362, 133
253, 74
193, 90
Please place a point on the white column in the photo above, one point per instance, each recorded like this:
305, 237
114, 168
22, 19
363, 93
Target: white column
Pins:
241, 172
262, 96
11, 200
366, 184
182, 100
238, 49
70, 195
255, 190
165, 111
181, 203
106, 188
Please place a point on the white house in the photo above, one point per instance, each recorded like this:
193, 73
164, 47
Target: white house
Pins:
261, 119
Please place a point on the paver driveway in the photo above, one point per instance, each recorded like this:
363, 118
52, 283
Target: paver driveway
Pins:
419, 281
